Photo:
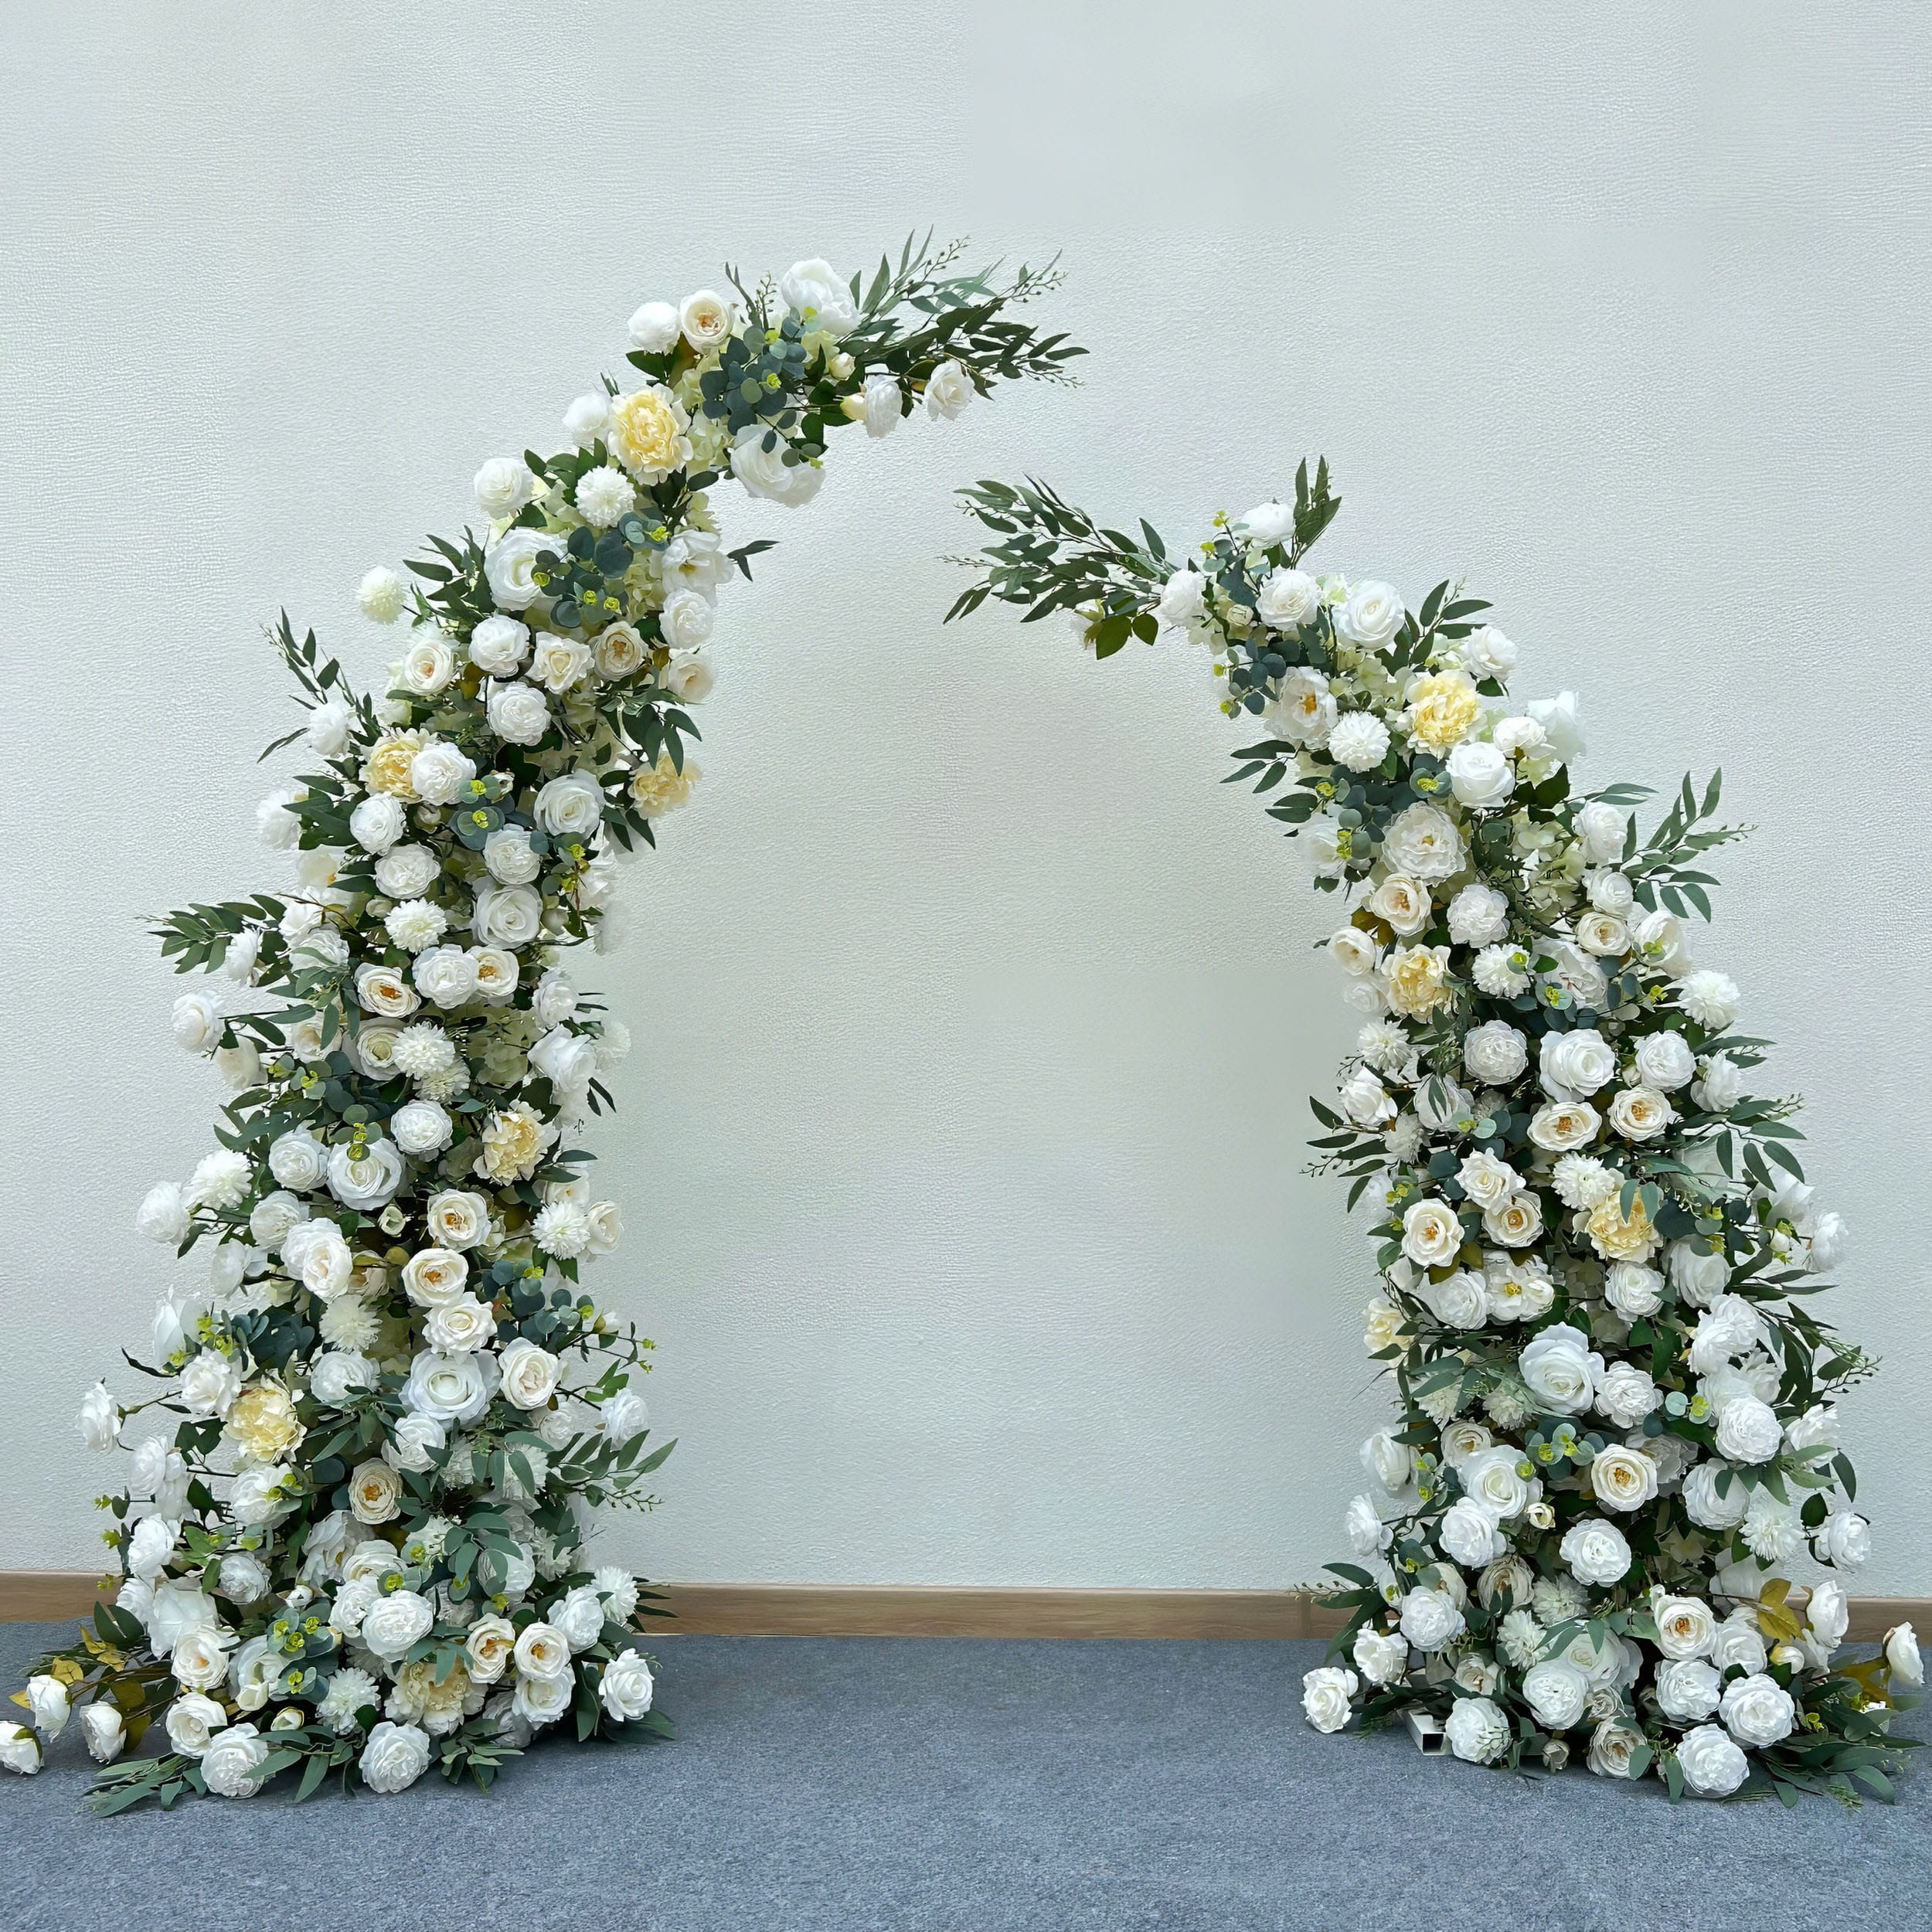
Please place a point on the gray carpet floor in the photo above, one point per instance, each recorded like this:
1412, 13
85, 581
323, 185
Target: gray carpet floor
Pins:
931, 1785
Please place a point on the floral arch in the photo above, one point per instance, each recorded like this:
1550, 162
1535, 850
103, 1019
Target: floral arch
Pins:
353, 1546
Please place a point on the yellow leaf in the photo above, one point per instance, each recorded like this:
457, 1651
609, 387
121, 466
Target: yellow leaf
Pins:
64, 1670
23, 1700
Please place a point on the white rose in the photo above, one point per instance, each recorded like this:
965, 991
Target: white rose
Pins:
1720, 1084
497, 645
948, 389
368, 1181
686, 620
163, 1215
1467, 1536
1687, 1689
1459, 1301
1556, 1693
517, 713
192, 1722
200, 1660
1633, 1290
688, 677
459, 1326
529, 1374
1382, 1657
577, 1618
1493, 1478
209, 1384
1269, 524
1182, 599
1325, 1696
1757, 1711
571, 806
653, 329
47, 1702
1387, 1461
445, 975
105, 1730
450, 1388
558, 663
1476, 1731
704, 319
1556, 718
1486, 653
457, 1219
1704, 1504
503, 486
1665, 1061
1573, 1065
1843, 1540
1480, 775
587, 418
1431, 1234
624, 1415
100, 1418
232, 1765
1625, 1393
427, 667
1624, 1478
1287, 600
812, 290
1595, 1552
20, 1750
405, 872
1423, 842
276, 826
511, 563
1495, 1053
274, 1217
1599, 829
197, 1023
625, 1688
440, 773
1902, 1655
1478, 916
1305, 708
392, 1624
1372, 615
1559, 1370
1365, 1100
542, 1700
1700, 1275
395, 1756
1430, 1620
879, 405
1748, 1430
1712, 1765
758, 461
507, 915
1641, 1114
415, 1440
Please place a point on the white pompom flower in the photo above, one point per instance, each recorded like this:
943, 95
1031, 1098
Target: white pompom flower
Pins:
382, 595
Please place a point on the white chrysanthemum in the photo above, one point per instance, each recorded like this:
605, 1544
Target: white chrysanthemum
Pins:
1709, 997
381, 595
1556, 1599
423, 1049
1382, 1044
1359, 741
416, 924
563, 1229
1583, 1182
349, 1323
1772, 1528
1507, 1405
604, 495
619, 1590
349, 1691
444, 1085
1501, 971
1520, 1638
220, 1180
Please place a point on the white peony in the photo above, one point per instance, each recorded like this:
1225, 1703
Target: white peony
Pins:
1557, 1693
497, 645
395, 1756
1476, 1731
1595, 1552
1712, 1765
232, 1766
1757, 1711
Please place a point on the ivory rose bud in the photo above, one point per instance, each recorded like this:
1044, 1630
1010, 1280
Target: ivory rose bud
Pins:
1902, 1654
1623, 1478
1403, 902
20, 1750
105, 1730
1431, 1235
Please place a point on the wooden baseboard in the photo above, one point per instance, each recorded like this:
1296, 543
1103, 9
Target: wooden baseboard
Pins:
944, 1610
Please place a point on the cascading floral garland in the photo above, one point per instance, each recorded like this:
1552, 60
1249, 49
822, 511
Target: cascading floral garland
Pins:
1596, 1250
355, 1545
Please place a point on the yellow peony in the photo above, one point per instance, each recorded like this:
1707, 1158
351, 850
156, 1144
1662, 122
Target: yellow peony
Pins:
647, 433
262, 1424
387, 768
1418, 981
662, 787
1618, 1240
513, 1143
1442, 708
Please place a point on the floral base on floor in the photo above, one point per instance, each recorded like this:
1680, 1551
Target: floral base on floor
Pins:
352, 1541
1598, 1252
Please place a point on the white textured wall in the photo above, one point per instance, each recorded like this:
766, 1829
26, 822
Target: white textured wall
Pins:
962, 1151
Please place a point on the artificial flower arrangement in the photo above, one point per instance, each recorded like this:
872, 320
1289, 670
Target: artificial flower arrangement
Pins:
1598, 1251
355, 1546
